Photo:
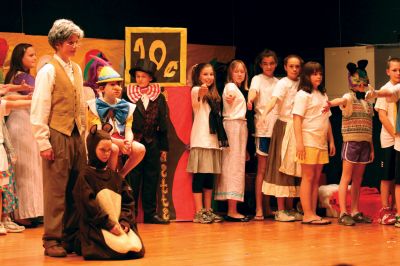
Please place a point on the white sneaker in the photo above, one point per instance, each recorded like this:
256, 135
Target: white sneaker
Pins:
3, 231
297, 215
284, 216
12, 227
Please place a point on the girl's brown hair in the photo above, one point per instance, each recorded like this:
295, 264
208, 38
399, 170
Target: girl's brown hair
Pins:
212, 90
305, 78
261, 56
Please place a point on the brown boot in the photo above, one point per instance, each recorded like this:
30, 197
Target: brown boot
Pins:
53, 248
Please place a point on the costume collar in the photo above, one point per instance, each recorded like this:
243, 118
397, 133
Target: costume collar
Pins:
119, 111
135, 92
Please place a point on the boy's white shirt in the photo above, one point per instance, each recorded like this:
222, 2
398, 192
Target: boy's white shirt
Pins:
395, 90
387, 140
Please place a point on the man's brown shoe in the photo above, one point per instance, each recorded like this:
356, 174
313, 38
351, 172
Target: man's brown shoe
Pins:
54, 249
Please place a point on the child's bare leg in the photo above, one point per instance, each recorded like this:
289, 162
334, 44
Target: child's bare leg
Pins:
306, 191
317, 174
397, 193
289, 203
358, 172
232, 209
135, 157
266, 205
386, 190
344, 182
281, 203
392, 203
262, 164
113, 161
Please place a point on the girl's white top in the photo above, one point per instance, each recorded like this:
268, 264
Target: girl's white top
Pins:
237, 109
315, 123
200, 135
264, 86
285, 90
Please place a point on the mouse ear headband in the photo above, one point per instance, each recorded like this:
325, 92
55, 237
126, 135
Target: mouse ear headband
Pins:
357, 73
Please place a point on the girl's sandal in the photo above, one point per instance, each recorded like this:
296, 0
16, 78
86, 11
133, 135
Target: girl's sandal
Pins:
258, 218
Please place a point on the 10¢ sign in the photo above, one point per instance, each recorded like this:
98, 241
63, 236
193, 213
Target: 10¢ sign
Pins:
166, 47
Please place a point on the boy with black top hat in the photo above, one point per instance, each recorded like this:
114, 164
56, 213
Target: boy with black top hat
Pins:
150, 129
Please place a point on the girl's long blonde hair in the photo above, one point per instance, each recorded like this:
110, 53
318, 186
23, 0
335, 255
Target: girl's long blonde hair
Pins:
232, 66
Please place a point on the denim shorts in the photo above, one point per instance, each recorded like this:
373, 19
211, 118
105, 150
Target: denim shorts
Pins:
262, 145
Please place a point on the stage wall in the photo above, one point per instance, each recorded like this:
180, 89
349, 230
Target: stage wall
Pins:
175, 196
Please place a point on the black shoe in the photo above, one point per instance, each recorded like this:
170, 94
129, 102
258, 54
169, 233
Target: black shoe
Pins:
28, 223
53, 248
233, 219
155, 220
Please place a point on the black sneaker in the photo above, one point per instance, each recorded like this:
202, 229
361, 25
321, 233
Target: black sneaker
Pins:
360, 218
346, 219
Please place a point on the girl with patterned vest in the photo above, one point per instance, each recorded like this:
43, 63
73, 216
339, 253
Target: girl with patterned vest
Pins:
357, 149
108, 108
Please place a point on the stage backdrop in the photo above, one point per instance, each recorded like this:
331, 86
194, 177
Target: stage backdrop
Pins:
175, 192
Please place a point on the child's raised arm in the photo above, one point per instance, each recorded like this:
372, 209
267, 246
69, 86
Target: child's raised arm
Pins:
20, 87
3, 89
269, 106
250, 98
18, 104
334, 102
386, 92
14, 97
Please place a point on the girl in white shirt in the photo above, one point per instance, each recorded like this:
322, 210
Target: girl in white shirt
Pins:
230, 185
206, 139
312, 130
276, 183
260, 93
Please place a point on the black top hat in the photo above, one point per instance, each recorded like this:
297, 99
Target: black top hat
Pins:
144, 65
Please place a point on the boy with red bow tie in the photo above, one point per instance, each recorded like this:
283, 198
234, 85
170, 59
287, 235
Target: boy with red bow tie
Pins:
150, 129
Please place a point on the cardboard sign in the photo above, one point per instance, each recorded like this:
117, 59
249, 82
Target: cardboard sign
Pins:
166, 47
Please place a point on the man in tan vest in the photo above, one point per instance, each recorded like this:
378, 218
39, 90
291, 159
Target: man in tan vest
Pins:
56, 117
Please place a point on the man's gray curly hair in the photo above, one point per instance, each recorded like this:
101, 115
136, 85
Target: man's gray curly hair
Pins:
63, 29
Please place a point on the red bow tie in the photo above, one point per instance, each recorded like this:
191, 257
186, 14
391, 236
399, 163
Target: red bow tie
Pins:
144, 90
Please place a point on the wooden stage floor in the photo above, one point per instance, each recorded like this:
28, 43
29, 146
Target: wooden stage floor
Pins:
253, 243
